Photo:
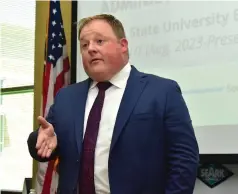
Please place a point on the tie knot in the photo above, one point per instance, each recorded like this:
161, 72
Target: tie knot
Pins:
103, 86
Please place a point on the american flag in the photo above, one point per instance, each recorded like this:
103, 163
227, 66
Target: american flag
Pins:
55, 76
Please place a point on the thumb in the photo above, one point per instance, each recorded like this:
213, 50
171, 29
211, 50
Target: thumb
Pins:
44, 124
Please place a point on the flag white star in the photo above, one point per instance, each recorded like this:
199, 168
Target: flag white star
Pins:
54, 23
53, 35
53, 46
51, 57
54, 11
60, 45
60, 34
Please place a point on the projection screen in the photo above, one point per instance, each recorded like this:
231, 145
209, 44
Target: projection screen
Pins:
194, 43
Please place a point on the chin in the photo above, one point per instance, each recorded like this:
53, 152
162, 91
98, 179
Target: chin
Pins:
99, 73
99, 76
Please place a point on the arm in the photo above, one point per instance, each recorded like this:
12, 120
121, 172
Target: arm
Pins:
182, 147
32, 139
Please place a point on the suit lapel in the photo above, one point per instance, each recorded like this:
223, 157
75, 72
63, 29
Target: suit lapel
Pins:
79, 111
134, 88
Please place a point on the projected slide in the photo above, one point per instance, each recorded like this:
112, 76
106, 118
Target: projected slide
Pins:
194, 43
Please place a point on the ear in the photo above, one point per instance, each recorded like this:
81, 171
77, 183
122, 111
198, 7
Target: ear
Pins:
124, 45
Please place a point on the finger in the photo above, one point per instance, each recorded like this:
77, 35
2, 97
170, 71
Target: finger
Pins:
50, 148
41, 149
40, 140
44, 124
45, 151
48, 153
52, 145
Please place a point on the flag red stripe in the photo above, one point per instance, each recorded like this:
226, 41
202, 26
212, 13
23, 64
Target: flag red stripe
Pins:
48, 177
66, 65
60, 80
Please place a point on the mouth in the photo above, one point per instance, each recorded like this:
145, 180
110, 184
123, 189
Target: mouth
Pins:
95, 60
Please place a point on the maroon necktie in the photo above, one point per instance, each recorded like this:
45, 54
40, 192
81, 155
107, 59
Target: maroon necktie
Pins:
86, 178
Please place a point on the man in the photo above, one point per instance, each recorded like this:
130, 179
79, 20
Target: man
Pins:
120, 131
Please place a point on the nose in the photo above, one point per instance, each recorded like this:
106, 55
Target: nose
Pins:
92, 48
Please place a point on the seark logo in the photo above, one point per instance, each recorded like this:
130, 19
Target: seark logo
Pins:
213, 174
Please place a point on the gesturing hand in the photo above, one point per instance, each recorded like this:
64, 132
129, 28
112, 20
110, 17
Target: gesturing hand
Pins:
46, 140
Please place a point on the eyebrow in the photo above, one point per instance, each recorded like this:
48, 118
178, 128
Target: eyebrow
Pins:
96, 33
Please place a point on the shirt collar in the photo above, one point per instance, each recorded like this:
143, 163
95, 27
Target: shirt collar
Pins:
120, 79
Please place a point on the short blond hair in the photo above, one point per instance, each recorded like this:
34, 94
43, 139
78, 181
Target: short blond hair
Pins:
115, 24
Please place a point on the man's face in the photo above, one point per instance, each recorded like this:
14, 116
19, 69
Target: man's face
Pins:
103, 55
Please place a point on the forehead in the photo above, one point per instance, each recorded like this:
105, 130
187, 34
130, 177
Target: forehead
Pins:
97, 27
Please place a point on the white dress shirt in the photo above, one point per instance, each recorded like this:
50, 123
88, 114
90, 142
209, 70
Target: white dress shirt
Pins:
111, 105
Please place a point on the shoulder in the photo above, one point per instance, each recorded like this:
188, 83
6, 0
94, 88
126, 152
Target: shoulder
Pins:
71, 90
165, 84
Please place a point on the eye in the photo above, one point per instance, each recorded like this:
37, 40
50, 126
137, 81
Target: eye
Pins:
84, 45
99, 41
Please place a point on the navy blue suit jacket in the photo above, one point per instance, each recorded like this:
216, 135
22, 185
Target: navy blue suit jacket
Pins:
153, 148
